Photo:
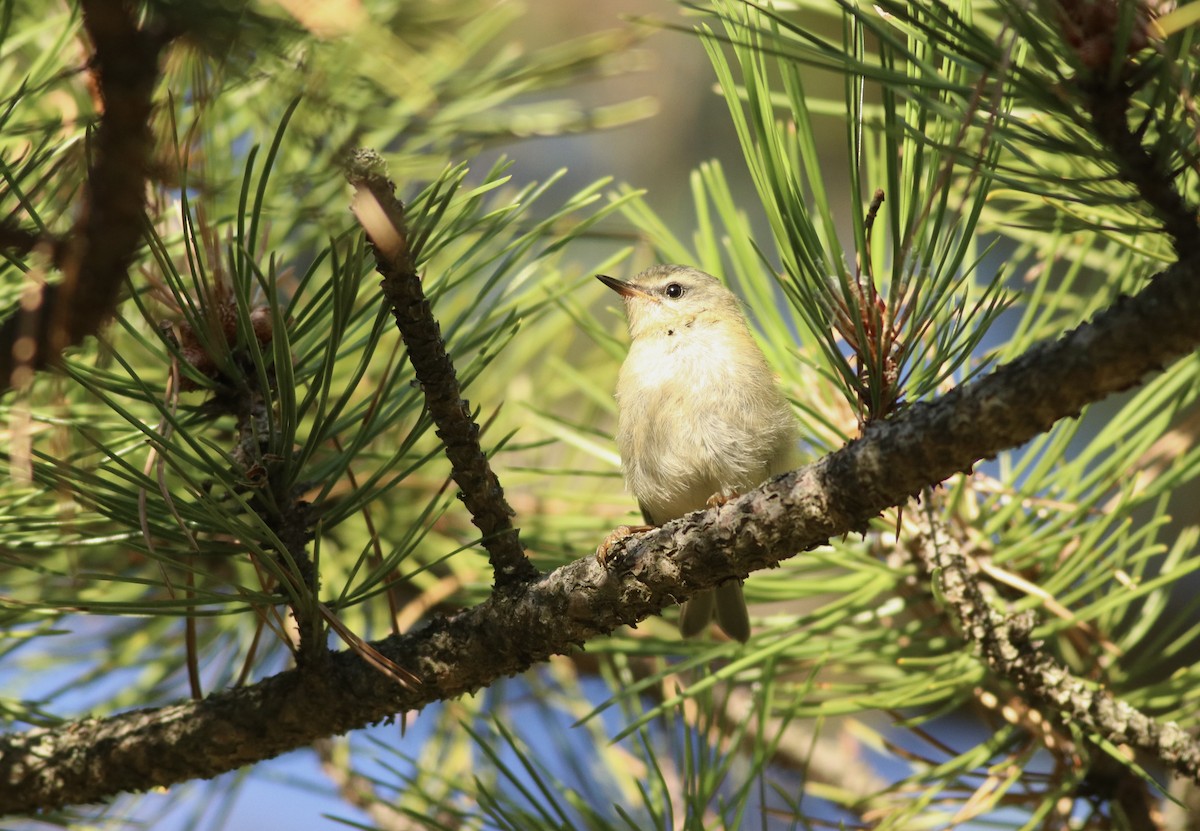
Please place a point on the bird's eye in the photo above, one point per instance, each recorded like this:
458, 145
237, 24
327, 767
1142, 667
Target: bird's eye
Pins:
674, 290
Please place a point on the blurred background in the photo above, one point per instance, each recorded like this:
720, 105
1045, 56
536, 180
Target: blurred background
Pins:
648, 117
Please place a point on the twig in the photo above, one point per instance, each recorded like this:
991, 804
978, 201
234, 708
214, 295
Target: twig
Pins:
1005, 643
872, 212
289, 518
1149, 174
382, 216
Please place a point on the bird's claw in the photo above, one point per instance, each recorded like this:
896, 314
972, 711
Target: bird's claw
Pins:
719, 499
604, 552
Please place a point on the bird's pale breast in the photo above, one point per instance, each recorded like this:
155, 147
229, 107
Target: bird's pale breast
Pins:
695, 421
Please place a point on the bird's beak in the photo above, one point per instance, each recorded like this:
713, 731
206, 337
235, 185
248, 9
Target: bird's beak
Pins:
621, 287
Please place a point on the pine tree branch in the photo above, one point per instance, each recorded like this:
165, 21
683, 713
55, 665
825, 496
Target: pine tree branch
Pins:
288, 516
1006, 645
1108, 110
106, 236
19, 241
382, 216
91, 759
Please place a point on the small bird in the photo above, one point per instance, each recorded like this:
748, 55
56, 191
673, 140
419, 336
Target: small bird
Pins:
701, 417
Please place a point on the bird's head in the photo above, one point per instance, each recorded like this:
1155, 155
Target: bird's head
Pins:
669, 299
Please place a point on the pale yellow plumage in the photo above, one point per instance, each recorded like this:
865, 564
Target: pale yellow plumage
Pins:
701, 415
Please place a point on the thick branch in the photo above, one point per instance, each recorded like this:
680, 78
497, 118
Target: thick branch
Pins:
93, 759
109, 229
382, 217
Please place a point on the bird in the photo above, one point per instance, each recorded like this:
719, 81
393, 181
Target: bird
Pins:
701, 417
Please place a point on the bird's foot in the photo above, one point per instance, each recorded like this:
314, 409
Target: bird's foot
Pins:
720, 498
615, 536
